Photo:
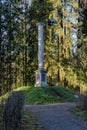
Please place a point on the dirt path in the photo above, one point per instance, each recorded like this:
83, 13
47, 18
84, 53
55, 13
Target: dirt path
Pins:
58, 117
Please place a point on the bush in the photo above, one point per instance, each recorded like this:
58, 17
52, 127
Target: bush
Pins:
13, 111
82, 102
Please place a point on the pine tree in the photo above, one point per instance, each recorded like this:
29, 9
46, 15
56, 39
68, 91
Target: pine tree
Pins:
10, 43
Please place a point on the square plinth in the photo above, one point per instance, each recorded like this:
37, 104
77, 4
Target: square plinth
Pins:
41, 79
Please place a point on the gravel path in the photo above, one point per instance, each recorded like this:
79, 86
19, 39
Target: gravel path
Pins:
58, 117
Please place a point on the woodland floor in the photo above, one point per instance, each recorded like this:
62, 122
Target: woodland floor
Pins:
57, 117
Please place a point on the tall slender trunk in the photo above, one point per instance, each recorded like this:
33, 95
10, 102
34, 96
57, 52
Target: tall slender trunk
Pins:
25, 49
0, 52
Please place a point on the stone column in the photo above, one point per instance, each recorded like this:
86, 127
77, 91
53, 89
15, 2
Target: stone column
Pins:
40, 46
41, 79
29, 2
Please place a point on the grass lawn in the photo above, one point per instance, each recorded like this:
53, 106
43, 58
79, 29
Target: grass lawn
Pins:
39, 95
66, 93
79, 112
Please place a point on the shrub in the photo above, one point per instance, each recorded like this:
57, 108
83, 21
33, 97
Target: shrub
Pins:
13, 111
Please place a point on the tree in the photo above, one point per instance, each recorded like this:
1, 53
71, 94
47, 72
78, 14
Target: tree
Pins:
82, 56
10, 43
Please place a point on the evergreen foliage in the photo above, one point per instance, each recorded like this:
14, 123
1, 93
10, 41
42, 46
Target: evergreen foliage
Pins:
65, 38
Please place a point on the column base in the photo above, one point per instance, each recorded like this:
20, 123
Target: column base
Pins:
41, 79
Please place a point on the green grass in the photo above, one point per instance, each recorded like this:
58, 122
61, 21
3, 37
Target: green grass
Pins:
39, 95
79, 112
3, 98
31, 122
66, 93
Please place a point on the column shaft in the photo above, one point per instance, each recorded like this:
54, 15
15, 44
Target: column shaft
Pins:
40, 46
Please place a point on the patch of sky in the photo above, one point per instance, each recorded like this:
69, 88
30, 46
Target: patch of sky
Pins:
72, 18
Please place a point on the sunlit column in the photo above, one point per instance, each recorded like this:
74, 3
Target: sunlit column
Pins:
29, 2
41, 79
40, 46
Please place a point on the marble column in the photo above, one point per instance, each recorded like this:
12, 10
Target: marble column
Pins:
41, 79
29, 2
40, 46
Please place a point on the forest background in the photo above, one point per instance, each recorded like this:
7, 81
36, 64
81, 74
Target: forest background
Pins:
65, 42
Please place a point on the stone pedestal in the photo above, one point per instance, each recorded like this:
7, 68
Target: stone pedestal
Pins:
41, 80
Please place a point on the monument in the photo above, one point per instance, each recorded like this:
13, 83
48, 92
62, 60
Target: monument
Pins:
41, 79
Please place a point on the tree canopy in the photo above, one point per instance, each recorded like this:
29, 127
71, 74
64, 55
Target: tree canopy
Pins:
65, 40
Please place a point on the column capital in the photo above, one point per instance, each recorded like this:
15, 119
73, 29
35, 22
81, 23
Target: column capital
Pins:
40, 23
